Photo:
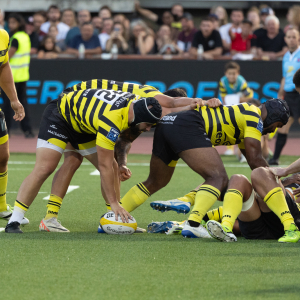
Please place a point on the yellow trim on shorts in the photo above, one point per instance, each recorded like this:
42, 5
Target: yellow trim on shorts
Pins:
3, 139
173, 163
87, 145
57, 143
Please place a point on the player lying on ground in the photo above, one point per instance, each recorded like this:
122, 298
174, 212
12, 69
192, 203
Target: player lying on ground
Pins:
8, 86
190, 135
172, 100
76, 117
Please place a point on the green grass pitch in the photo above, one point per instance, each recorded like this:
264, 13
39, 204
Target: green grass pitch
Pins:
86, 265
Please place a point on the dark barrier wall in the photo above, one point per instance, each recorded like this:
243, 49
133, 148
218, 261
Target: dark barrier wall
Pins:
200, 78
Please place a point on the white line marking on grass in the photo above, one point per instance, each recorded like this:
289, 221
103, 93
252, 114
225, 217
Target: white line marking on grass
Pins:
71, 188
96, 172
17, 192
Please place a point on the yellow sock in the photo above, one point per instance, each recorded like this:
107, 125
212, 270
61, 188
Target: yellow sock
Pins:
205, 198
108, 207
135, 197
215, 214
53, 206
189, 197
232, 207
21, 205
3, 185
276, 202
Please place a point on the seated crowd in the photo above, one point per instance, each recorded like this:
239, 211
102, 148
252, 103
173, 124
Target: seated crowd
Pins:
257, 34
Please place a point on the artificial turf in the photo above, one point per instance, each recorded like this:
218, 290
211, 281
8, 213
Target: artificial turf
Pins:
86, 265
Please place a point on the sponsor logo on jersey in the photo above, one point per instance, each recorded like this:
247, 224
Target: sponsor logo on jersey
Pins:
57, 134
113, 134
53, 126
285, 212
260, 126
3, 52
169, 118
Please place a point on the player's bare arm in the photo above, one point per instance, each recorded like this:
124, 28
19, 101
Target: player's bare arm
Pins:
291, 169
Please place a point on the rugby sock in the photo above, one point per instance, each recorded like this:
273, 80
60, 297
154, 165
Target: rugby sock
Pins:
232, 207
205, 198
214, 214
19, 212
280, 143
53, 206
135, 197
3, 185
276, 202
189, 197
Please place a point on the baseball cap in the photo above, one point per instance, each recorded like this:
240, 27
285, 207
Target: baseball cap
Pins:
267, 11
187, 16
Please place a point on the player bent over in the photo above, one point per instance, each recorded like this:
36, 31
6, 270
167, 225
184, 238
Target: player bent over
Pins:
76, 117
254, 204
8, 86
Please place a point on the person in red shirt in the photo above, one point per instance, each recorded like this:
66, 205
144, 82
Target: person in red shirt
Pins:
241, 42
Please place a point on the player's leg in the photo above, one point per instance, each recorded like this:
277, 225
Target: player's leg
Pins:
266, 186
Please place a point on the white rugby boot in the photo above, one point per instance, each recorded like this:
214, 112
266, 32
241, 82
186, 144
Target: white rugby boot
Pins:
220, 232
52, 225
194, 232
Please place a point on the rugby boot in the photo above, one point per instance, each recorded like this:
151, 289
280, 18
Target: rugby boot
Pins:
292, 235
13, 227
5, 215
52, 225
194, 232
220, 232
176, 205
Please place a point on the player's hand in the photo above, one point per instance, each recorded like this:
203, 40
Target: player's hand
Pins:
280, 172
292, 179
195, 102
213, 102
296, 192
120, 211
124, 173
19, 110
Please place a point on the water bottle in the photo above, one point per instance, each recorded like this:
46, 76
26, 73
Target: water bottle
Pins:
200, 51
114, 51
81, 51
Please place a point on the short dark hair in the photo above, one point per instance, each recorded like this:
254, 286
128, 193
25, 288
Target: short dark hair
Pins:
232, 65
87, 23
237, 9
245, 21
53, 7
175, 93
42, 13
105, 7
19, 19
207, 19
254, 102
296, 78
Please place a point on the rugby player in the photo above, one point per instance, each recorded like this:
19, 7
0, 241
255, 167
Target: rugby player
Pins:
8, 86
190, 135
172, 100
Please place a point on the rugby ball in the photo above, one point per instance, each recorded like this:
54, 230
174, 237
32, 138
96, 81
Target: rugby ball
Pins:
109, 224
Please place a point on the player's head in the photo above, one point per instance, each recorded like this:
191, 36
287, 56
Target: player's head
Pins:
232, 71
296, 81
292, 39
254, 102
147, 112
278, 114
175, 93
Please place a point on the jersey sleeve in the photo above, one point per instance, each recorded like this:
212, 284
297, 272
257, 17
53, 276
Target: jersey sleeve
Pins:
253, 127
247, 92
222, 89
5, 37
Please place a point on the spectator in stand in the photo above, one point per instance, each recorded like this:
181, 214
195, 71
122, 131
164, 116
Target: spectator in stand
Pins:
142, 41
97, 24
293, 18
83, 16
3, 24
59, 44
265, 11
104, 36
186, 36
164, 43
270, 44
47, 49
120, 18
241, 42
68, 17
54, 17
221, 12
118, 37
34, 39
215, 20
88, 39
253, 16
38, 19
236, 16
209, 38
105, 12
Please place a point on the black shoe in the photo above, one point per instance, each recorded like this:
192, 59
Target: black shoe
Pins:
273, 162
13, 227
28, 134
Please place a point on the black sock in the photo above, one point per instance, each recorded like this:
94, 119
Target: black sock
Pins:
280, 142
194, 224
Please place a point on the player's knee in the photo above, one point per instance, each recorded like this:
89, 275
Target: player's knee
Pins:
73, 162
45, 171
258, 175
237, 180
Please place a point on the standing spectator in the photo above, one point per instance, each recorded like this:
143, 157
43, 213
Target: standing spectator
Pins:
83, 16
104, 36
186, 36
241, 42
270, 44
117, 37
47, 49
209, 38
68, 17
293, 17
105, 12
164, 42
290, 64
141, 42
38, 19
88, 39
59, 44
221, 12
236, 16
54, 17
34, 38
253, 16
97, 24
19, 60
3, 24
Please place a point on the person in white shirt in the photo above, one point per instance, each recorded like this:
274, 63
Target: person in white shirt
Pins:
53, 14
237, 16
